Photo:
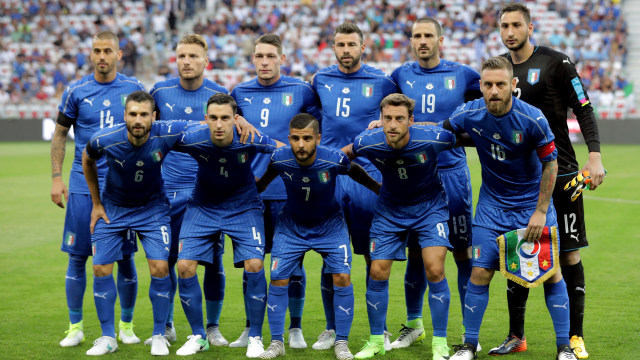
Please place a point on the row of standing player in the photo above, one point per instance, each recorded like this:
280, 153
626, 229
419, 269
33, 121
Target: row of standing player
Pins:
348, 53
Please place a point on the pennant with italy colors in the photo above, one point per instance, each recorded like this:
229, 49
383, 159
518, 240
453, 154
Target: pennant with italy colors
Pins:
529, 263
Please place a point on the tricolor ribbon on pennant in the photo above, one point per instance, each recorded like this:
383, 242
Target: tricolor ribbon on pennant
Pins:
529, 263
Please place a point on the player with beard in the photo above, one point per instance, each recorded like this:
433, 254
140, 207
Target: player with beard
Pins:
438, 87
133, 198
548, 80
92, 103
518, 158
350, 94
311, 220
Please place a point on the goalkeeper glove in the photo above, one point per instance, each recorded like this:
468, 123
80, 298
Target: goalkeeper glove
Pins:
578, 184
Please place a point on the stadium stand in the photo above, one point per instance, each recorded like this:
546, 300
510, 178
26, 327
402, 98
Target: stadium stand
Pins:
45, 44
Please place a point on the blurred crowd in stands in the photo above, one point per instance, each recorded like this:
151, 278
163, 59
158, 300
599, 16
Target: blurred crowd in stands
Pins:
45, 44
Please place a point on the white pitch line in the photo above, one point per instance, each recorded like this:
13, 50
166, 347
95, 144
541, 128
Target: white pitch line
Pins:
624, 201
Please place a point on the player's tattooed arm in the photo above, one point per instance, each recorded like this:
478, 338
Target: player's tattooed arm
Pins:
266, 178
361, 176
90, 170
539, 217
58, 149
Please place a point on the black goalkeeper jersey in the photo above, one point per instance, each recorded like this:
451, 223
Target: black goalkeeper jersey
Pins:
549, 81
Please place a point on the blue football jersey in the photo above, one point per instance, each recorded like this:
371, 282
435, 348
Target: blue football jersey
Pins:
506, 145
311, 189
224, 173
269, 109
93, 106
134, 178
409, 175
350, 102
438, 92
174, 102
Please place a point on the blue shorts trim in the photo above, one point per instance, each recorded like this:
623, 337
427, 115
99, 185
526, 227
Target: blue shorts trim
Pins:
426, 220
203, 225
76, 238
291, 241
151, 222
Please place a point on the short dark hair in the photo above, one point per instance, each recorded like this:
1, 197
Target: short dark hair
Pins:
429, 20
270, 39
497, 63
108, 35
511, 7
303, 121
223, 99
397, 99
140, 96
349, 28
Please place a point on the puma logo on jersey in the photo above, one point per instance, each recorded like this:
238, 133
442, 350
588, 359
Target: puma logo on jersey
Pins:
328, 86
248, 100
206, 158
575, 236
120, 162
89, 101
289, 175
380, 161
169, 129
478, 131
170, 106
566, 61
411, 83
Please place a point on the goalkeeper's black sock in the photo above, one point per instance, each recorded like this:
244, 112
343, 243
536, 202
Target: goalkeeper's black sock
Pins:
517, 299
574, 277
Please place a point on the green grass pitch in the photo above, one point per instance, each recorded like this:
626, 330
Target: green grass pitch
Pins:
33, 312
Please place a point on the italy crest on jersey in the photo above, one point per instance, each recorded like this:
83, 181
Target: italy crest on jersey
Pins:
243, 157
367, 90
156, 155
324, 176
450, 82
372, 245
287, 99
518, 136
123, 98
421, 157
534, 76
